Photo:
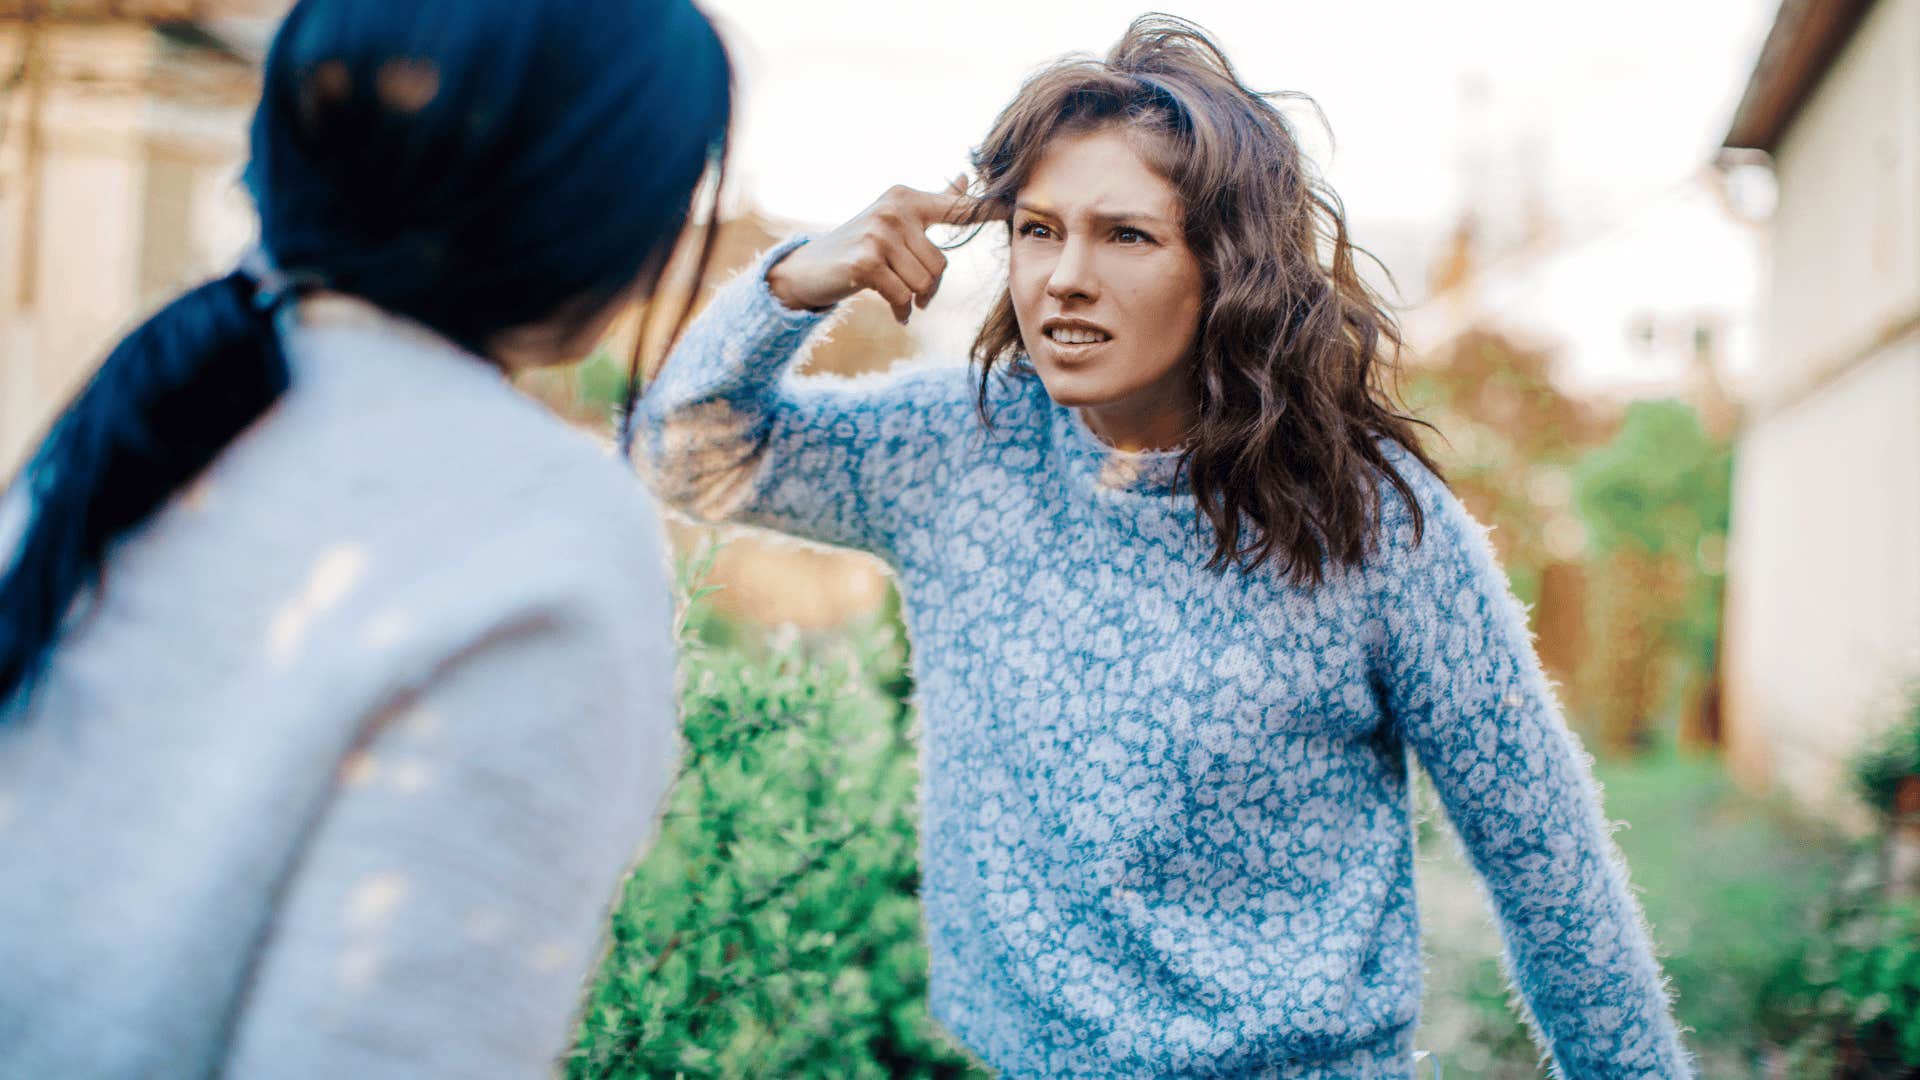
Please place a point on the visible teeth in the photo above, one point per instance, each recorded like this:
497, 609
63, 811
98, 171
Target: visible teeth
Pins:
1075, 337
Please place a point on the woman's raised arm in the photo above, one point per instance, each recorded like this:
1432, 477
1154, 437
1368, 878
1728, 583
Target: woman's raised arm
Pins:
725, 433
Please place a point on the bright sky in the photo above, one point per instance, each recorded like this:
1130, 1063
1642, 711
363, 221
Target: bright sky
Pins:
1595, 105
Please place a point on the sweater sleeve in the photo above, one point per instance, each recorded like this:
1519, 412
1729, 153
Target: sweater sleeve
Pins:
453, 893
1464, 687
727, 433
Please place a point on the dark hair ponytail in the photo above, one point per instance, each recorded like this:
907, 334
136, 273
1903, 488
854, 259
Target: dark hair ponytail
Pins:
163, 404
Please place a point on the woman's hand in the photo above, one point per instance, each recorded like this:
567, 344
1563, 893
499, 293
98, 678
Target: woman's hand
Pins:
885, 249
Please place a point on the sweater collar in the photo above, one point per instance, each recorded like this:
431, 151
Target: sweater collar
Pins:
329, 311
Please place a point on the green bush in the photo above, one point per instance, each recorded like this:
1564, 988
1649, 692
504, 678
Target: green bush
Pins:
1841, 1001
1851, 992
600, 382
1884, 762
1846, 1001
1876, 967
774, 928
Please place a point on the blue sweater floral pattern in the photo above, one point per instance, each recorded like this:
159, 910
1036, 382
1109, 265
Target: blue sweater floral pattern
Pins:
1165, 810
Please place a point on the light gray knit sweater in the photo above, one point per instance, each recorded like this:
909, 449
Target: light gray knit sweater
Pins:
337, 773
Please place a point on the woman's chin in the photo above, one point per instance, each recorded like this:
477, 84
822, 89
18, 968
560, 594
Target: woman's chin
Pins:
1075, 392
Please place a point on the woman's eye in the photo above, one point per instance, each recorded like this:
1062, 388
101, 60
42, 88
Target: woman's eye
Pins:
1033, 227
1130, 236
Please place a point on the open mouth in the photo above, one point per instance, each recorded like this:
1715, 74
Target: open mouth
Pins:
1074, 339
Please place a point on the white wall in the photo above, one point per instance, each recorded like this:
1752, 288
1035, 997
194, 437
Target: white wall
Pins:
1847, 235
1824, 561
1823, 617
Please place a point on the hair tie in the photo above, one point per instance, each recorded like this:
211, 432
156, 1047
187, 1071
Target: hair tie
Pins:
273, 285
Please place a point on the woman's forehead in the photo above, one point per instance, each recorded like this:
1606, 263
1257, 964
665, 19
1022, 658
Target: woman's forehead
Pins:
1099, 176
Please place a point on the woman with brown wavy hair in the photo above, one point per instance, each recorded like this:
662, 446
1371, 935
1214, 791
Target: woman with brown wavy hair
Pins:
1183, 592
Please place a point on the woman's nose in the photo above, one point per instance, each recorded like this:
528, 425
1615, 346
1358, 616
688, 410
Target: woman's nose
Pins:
1073, 274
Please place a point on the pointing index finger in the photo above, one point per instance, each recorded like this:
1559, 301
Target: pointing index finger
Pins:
950, 207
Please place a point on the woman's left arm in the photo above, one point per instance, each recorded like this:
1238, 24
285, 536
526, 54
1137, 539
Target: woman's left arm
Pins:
1465, 688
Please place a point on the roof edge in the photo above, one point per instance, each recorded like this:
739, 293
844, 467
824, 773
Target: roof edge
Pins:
1806, 38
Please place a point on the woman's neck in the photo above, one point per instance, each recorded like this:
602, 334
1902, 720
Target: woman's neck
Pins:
1135, 431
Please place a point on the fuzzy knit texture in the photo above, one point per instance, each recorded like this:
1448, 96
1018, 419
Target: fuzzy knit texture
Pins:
337, 773
1165, 812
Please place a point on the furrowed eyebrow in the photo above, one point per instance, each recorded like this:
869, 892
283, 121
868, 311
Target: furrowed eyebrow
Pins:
1121, 217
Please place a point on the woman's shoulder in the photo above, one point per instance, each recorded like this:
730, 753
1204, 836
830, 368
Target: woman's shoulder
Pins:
1432, 535
571, 511
449, 469
1419, 513
1408, 487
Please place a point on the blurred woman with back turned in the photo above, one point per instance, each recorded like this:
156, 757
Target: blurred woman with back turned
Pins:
336, 675
1184, 593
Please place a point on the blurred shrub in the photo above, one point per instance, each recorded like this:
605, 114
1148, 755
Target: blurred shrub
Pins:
1611, 527
1662, 487
1845, 1003
1853, 991
1508, 436
774, 928
1655, 501
600, 382
1881, 766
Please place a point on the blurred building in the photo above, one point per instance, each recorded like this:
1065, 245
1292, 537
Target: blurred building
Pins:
122, 131
1823, 620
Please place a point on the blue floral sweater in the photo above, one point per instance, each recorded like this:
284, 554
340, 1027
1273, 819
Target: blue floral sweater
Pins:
1165, 812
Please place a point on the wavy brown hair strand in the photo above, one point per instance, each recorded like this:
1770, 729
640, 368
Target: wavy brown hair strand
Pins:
1296, 362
